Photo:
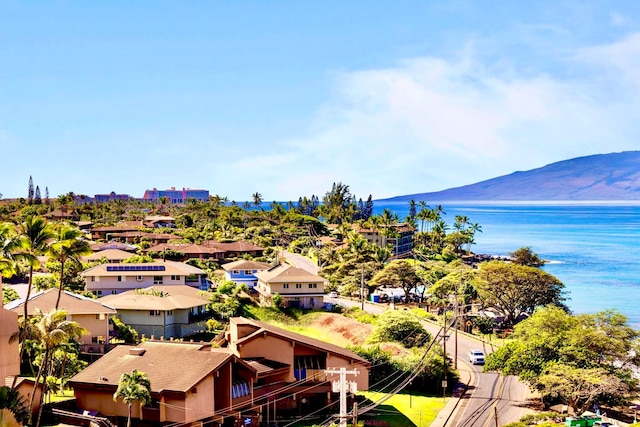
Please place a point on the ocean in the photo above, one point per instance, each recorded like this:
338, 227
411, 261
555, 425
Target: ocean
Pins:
594, 249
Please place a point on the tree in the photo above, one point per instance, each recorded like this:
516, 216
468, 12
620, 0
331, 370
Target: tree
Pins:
54, 331
580, 360
579, 388
400, 326
516, 290
525, 256
9, 247
35, 234
12, 401
68, 246
37, 199
30, 191
132, 387
398, 274
257, 199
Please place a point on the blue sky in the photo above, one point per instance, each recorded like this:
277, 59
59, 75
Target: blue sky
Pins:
286, 97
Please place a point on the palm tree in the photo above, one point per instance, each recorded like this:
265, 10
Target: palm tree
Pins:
36, 235
257, 199
132, 387
11, 401
54, 331
359, 246
68, 246
9, 246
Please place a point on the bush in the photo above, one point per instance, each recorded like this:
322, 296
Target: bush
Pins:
399, 326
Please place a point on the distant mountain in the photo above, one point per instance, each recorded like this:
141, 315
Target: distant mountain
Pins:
614, 176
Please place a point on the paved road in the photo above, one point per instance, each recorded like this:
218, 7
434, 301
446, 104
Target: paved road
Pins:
490, 395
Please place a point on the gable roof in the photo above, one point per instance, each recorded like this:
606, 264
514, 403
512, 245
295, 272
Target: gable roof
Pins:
73, 303
109, 254
170, 268
165, 298
112, 245
185, 248
121, 226
244, 264
288, 273
159, 360
234, 246
262, 328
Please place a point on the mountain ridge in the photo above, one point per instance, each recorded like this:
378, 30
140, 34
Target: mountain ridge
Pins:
597, 177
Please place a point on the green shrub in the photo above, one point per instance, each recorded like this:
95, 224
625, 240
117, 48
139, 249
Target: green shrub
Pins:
399, 326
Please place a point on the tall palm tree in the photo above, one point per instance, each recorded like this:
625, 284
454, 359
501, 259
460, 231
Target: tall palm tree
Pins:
36, 235
132, 387
54, 331
68, 246
257, 199
359, 246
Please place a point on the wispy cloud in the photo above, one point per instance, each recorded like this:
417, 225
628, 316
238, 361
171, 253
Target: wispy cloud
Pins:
433, 123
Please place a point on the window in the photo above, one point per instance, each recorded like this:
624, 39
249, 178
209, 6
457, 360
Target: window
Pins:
94, 340
157, 280
248, 272
139, 278
113, 291
169, 312
313, 285
235, 272
98, 293
298, 285
93, 278
174, 277
154, 312
119, 278
285, 286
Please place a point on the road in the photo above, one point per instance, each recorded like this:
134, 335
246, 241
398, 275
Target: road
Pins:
491, 400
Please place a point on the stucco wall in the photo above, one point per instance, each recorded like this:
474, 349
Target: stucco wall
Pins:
9, 358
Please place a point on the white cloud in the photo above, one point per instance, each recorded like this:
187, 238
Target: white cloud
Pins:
429, 124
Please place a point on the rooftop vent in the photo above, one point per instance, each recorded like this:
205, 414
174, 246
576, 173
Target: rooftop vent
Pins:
136, 351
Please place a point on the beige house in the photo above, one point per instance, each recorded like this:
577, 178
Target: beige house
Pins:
162, 311
106, 279
9, 356
91, 314
298, 287
189, 382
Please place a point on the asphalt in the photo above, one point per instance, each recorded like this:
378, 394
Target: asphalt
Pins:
448, 416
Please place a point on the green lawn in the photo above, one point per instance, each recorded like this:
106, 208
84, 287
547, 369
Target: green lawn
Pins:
406, 410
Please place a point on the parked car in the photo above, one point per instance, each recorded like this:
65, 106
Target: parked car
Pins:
476, 357
333, 294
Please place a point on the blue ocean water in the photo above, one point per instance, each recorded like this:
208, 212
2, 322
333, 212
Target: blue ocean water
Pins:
593, 249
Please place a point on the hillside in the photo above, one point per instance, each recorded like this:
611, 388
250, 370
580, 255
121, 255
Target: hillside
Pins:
614, 176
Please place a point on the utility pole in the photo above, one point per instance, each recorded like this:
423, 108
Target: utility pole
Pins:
444, 355
343, 386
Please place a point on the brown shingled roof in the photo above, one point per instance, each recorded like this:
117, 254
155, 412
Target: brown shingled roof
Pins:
73, 303
170, 366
